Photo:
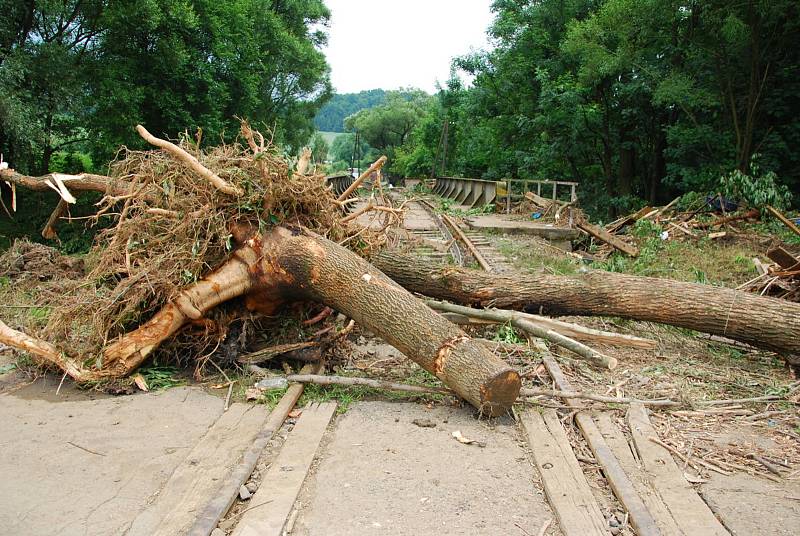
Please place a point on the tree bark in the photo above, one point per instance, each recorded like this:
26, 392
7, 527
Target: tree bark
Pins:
325, 272
765, 322
290, 265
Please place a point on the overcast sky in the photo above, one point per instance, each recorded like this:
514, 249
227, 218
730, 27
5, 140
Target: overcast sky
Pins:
400, 43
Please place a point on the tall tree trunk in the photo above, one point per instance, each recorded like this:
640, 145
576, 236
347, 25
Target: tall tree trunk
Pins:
659, 165
769, 323
627, 157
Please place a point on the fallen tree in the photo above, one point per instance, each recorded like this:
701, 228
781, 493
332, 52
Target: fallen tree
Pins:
768, 323
136, 297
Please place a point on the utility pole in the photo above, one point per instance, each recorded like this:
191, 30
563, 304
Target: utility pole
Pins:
356, 156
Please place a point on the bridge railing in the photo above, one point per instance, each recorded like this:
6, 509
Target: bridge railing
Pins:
340, 182
478, 192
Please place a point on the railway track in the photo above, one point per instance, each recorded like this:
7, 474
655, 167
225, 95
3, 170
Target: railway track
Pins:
464, 246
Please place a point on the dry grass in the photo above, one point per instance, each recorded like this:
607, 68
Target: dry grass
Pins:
172, 230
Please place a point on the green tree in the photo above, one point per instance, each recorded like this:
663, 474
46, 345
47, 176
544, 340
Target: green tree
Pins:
319, 149
388, 126
331, 116
43, 51
188, 66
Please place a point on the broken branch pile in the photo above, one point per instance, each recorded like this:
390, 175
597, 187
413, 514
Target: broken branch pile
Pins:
251, 229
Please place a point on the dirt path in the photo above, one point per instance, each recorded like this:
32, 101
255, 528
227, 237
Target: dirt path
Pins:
380, 473
83, 464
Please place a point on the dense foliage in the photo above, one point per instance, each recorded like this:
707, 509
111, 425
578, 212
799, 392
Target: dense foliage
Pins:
638, 100
388, 126
77, 75
331, 116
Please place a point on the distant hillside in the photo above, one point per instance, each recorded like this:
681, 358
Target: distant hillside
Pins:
331, 117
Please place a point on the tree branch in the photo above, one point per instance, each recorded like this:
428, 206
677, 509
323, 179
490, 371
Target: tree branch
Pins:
189, 161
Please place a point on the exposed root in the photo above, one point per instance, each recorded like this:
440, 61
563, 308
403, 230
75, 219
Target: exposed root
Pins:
190, 161
169, 230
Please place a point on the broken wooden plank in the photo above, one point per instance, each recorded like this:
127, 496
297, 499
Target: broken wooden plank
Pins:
783, 258
690, 512
640, 517
644, 212
682, 229
272, 504
564, 483
784, 220
618, 443
213, 511
542, 201
666, 208
621, 484
604, 236
197, 480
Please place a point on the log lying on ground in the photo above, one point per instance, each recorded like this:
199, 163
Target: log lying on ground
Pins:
573, 331
520, 322
340, 279
764, 322
290, 265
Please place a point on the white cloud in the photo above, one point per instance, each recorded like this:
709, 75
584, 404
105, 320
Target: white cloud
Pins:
400, 43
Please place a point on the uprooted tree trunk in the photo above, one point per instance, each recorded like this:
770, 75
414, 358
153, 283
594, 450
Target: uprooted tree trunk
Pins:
764, 322
289, 265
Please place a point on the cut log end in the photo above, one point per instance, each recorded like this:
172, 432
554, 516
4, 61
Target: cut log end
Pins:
499, 393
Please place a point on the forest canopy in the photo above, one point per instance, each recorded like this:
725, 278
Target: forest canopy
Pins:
331, 116
638, 100
77, 75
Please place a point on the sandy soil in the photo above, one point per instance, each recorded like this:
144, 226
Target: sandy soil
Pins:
383, 474
85, 464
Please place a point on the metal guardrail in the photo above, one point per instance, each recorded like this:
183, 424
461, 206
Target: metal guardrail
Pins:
508, 190
465, 191
479, 192
340, 182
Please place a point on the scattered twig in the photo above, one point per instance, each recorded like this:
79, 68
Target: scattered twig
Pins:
772, 468
368, 382
766, 398
322, 315
546, 526
764, 415
178, 153
90, 451
228, 396
683, 458
597, 398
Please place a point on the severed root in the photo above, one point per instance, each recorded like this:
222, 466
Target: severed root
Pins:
44, 352
377, 165
191, 162
230, 280
303, 162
